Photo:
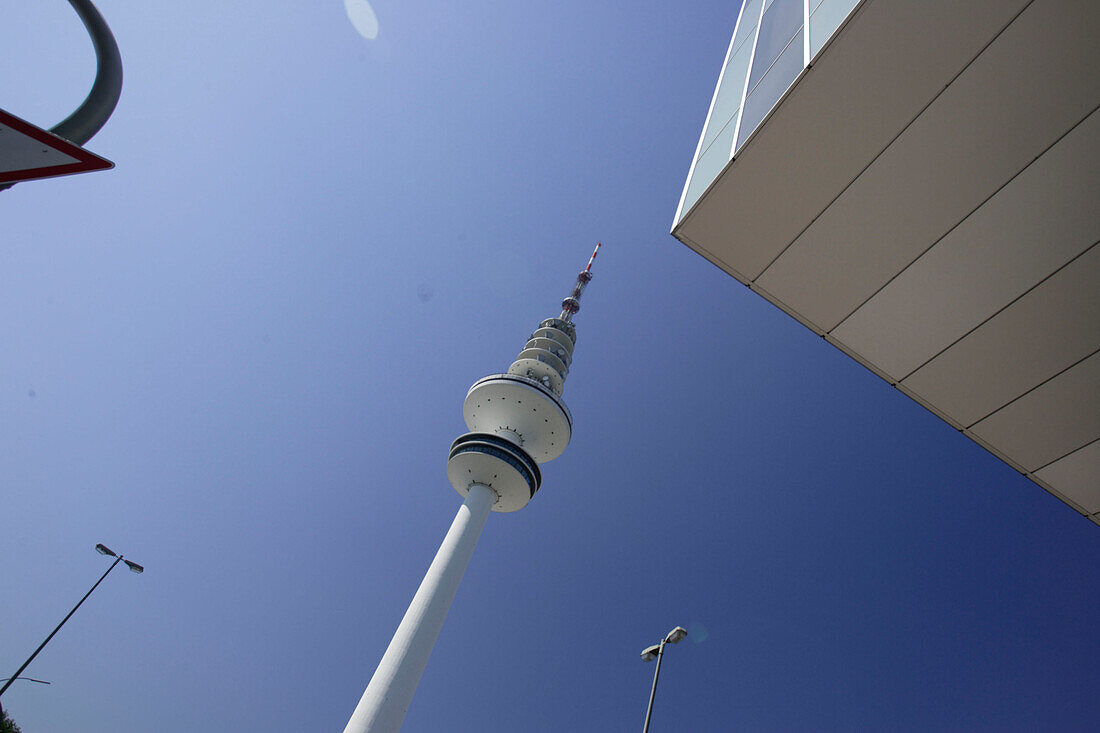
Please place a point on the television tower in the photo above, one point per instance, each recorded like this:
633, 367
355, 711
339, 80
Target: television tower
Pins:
517, 420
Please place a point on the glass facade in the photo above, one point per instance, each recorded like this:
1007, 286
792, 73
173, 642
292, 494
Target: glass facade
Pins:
825, 17
769, 49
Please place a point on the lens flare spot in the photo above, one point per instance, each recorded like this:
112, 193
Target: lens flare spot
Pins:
697, 632
362, 16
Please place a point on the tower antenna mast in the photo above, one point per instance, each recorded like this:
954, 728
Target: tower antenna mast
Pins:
572, 304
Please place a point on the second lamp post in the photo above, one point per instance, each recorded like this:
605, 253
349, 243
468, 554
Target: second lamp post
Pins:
102, 550
656, 652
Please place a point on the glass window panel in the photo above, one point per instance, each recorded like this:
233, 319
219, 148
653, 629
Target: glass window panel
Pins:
750, 14
779, 24
771, 87
729, 95
825, 19
709, 165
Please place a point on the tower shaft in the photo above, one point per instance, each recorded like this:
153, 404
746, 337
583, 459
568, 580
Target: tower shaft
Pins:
386, 699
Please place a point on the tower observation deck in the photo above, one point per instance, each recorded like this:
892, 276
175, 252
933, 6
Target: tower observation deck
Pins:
517, 420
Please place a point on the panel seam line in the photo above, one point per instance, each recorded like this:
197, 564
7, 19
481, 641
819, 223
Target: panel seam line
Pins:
962, 221
1070, 453
999, 311
1020, 396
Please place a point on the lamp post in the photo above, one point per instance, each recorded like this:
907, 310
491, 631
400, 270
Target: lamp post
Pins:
102, 550
656, 652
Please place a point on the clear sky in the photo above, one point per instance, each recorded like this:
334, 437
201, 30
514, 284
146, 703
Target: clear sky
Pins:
240, 357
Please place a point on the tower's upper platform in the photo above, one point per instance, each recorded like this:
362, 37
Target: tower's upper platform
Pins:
518, 419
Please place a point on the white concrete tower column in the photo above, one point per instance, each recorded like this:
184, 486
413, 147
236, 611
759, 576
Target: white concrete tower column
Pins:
386, 700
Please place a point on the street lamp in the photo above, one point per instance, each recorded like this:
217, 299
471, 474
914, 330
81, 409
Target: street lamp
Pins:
656, 652
102, 550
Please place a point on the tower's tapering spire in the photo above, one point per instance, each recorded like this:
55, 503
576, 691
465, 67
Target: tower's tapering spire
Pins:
549, 350
572, 304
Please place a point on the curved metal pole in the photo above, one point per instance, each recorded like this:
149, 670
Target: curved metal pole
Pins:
93, 112
30, 659
653, 691
87, 119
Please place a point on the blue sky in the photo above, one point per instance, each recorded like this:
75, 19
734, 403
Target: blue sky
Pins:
240, 357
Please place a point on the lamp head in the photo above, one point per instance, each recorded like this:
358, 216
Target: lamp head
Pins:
134, 567
102, 549
676, 635
650, 653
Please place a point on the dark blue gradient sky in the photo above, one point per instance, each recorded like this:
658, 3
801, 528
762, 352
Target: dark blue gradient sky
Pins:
240, 358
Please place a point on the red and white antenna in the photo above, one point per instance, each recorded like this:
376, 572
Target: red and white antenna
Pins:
572, 304
593, 257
